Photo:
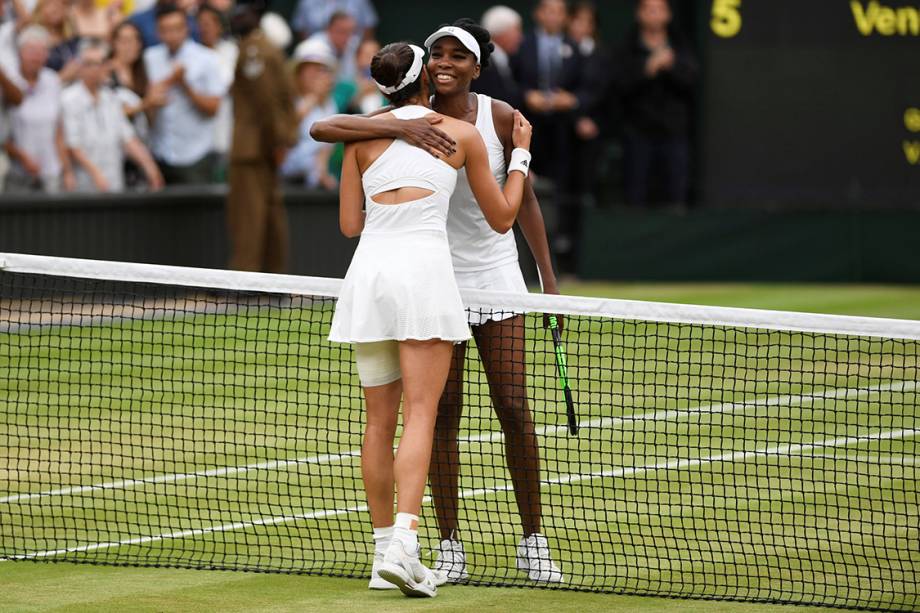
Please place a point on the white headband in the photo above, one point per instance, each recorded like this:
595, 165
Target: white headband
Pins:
411, 75
466, 39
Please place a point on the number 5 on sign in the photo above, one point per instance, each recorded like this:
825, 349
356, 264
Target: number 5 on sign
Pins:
726, 18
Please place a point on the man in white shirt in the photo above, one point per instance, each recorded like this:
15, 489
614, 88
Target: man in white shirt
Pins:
343, 39
187, 88
97, 132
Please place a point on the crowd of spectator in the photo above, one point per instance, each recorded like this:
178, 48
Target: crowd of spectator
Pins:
582, 94
105, 96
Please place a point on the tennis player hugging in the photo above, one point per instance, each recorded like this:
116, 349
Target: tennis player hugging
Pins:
400, 304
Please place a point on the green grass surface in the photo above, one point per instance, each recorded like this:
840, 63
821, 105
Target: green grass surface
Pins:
74, 588
762, 495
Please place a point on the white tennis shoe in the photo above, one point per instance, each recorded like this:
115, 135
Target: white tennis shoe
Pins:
533, 556
451, 561
405, 571
378, 582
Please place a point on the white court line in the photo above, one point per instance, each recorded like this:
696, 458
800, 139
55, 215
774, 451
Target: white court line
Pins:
265, 521
172, 478
894, 460
786, 449
606, 422
736, 456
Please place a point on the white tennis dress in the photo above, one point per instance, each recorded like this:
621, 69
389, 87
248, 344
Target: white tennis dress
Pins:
483, 258
400, 284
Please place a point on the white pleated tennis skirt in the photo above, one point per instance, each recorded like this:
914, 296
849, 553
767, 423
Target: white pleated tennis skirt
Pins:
400, 286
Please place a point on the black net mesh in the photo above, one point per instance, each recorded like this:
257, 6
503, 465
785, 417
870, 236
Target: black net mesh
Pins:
154, 425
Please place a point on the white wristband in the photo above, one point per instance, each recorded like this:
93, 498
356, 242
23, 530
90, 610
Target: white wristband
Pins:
520, 161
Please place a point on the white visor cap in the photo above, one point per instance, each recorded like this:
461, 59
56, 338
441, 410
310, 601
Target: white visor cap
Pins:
411, 75
465, 38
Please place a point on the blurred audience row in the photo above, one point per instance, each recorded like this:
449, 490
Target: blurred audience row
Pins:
582, 95
103, 99
138, 94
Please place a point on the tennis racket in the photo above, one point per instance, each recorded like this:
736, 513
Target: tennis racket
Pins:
563, 375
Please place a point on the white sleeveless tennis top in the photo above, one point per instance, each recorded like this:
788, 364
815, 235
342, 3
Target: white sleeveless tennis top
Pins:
400, 284
474, 245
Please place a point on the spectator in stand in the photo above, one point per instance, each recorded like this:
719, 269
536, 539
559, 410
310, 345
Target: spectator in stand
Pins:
62, 57
657, 73
146, 21
90, 20
211, 27
36, 143
127, 61
342, 38
582, 29
497, 81
96, 129
185, 94
308, 161
128, 79
312, 16
367, 98
549, 68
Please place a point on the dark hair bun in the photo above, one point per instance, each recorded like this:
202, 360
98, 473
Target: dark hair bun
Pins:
389, 68
385, 68
482, 36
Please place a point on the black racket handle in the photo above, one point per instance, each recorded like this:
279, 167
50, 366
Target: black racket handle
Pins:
570, 412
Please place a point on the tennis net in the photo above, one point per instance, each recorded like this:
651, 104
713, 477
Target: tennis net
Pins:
164, 416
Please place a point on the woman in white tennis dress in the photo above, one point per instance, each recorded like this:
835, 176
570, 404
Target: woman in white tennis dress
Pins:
399, 303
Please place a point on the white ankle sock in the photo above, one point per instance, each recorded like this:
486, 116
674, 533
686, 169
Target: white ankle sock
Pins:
382, 538
404, 533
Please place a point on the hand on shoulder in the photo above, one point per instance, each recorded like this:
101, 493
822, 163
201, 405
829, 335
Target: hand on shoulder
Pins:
462, 131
